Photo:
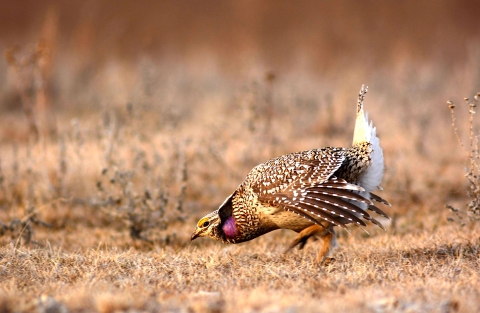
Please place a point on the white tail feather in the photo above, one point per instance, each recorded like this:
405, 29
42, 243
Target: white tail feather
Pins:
362, 131
366, 132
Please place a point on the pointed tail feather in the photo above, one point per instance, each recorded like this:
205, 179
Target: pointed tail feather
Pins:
363, 131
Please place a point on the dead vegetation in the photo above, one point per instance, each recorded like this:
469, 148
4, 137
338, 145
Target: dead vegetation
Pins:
472, 166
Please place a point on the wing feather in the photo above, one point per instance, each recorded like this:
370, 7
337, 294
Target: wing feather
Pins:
375, 209
333, 209
374, 197
339, 202
319, 213
300, 212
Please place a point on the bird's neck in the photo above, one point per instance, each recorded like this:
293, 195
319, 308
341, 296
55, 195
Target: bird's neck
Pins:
229, 227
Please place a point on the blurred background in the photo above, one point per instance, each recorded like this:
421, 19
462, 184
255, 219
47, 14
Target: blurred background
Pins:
334, 42
323, 37
280, 34
150, 91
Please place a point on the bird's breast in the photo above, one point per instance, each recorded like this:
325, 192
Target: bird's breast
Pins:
286, 220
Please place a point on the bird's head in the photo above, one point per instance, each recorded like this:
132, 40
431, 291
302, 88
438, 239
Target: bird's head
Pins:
208, 226
219, 224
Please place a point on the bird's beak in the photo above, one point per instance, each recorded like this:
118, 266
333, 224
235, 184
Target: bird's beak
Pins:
195, 234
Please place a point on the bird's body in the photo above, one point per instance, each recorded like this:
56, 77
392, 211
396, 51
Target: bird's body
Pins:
308, 192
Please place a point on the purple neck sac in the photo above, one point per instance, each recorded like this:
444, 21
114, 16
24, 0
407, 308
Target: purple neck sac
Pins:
229, 227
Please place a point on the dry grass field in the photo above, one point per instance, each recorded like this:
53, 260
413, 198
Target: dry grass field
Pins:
113, 144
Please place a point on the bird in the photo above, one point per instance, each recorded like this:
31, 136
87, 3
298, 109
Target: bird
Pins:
310, 192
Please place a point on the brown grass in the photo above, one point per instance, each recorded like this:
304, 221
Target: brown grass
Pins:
111, 149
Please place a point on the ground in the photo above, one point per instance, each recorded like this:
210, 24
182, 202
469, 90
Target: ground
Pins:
424, 270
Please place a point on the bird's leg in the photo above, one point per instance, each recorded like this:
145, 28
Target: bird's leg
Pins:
328, 236
304, 235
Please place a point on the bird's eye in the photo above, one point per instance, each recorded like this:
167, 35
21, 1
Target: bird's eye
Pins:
206, 224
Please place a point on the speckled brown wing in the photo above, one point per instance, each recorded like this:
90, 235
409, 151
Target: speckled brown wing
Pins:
303, 183
279, 173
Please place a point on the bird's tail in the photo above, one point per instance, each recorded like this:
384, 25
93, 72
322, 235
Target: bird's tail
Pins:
365, 132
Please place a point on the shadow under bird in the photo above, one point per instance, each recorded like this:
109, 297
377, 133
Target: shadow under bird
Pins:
309, 192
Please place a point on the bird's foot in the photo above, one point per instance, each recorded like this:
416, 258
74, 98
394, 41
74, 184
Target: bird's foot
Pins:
300, 242
304, 235
327, 261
